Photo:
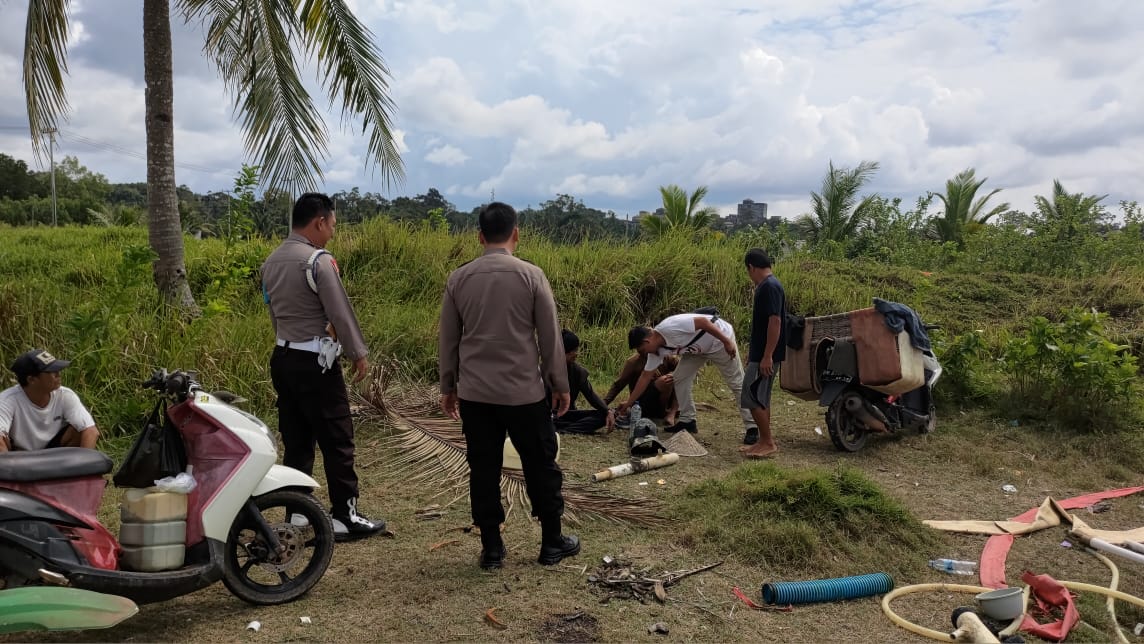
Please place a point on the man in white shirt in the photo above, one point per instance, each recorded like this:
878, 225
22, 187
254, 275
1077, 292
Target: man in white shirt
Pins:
697, 340
38, 413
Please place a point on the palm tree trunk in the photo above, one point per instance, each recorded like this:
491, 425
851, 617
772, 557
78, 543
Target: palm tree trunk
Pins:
164, 230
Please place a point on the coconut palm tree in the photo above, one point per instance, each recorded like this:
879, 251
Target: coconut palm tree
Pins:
680, 212
1067, 214
252, 45
836, 213
962, 213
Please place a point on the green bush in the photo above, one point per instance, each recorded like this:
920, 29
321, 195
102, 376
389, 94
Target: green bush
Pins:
966, 374
1071, 373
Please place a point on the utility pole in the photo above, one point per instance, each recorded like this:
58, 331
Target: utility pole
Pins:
51, 132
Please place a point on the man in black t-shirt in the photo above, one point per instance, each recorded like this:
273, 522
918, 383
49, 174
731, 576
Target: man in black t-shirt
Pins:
581, 421
767, 350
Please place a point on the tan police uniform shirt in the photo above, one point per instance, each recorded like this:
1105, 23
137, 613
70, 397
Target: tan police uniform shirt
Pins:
500, 340
297, 313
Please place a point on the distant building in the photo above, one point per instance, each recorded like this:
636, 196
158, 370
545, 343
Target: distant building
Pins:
751, 213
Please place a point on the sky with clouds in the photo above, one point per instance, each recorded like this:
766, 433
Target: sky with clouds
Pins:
607, 100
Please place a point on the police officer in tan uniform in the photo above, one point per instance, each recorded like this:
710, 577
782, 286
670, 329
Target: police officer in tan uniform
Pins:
308, 304
499, 345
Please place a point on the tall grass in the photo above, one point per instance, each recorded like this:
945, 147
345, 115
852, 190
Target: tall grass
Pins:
86, 294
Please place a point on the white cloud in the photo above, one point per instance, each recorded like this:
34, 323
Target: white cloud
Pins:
399, 141
608, 100
446, 155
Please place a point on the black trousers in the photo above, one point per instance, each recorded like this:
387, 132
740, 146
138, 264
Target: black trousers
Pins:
581, 421
313, 407
532, 434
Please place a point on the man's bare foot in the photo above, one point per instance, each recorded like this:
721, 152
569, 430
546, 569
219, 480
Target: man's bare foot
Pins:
758, 450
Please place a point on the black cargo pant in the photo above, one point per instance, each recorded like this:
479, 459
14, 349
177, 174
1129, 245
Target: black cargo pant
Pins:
313, 407
581, 421
532, 434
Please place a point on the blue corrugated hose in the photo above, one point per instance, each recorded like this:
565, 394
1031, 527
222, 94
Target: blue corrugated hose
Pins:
825, 590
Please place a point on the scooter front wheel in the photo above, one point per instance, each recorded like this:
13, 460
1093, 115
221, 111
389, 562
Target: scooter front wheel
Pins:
257, 572
846, 432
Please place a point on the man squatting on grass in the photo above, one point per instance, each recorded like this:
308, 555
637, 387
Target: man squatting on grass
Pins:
39, 413
767, 349
499, 345
697, 340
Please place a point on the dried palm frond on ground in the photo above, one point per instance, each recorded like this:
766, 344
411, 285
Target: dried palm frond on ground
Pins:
428, 448
620, 579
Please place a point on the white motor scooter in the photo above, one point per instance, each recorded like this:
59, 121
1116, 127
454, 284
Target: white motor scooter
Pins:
249, 522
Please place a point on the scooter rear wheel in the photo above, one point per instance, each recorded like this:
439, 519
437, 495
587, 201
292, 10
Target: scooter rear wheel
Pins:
255, 573
846, 432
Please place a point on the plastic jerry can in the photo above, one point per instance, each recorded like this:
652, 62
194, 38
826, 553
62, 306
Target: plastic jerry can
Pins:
153, 558
153, 530
163, 533
145, 506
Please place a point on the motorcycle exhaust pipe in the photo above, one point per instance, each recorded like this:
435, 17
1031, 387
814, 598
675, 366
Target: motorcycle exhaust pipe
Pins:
857, 408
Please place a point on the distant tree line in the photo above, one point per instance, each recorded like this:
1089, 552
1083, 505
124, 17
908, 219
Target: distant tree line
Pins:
958, 227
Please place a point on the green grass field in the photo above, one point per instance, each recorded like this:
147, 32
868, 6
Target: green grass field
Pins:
86, 294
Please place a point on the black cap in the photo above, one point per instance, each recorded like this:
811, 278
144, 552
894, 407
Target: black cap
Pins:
37, 361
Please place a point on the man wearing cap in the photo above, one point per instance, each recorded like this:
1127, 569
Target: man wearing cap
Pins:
311, 315
499, 346
38, 413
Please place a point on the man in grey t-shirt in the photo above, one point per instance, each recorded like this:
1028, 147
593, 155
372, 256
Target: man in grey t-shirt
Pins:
38, 413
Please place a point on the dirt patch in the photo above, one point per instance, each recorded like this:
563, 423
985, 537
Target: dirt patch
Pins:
570, 627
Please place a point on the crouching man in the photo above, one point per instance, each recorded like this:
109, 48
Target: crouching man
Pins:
39, 413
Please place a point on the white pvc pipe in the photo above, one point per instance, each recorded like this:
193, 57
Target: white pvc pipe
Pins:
1101, 544
633, 466
1132, 545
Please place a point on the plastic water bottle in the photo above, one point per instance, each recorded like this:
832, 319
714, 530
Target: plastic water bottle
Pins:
953, 566
635, 414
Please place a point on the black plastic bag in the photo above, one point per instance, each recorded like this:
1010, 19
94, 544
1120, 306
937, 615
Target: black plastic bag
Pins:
158, 452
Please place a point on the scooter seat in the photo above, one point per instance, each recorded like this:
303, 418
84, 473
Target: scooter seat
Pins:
55, 463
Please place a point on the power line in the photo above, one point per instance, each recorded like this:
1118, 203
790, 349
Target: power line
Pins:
72, 137
111, 147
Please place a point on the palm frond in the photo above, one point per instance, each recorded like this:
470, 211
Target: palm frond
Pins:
836, 213
355, 73
45, 64
251, 44
428, 448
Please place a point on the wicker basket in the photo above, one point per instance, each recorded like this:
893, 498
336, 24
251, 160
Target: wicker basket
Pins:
830, 326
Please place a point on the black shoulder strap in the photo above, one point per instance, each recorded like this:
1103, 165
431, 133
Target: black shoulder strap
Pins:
697, 336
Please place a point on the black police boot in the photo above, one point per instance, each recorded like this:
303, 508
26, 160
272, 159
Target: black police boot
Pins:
552, 552
493, 551
349, 525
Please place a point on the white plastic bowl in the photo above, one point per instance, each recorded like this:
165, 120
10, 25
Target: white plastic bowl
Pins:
1003, 604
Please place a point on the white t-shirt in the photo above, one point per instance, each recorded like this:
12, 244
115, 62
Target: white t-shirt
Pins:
31, 427
677, 331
